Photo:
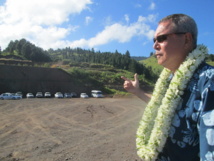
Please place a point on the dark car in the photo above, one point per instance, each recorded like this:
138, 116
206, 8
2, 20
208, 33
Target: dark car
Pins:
39, 95
67, 95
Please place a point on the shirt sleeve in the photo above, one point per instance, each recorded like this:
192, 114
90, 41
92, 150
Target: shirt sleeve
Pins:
206, 123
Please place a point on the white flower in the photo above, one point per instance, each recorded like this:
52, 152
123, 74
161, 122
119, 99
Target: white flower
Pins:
209, 156
192, 68
188, 73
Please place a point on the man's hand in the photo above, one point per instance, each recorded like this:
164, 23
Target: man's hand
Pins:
131, 86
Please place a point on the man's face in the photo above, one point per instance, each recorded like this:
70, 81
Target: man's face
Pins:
170, 50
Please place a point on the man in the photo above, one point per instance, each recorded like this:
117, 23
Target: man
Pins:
178, 122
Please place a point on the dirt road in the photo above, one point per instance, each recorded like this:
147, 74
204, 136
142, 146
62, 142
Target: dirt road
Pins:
69, 129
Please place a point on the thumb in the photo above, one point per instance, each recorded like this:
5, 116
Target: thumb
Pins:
136, 77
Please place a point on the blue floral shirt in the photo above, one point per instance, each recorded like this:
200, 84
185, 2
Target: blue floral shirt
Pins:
191, 137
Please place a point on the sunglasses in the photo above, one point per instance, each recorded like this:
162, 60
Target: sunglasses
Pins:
163, 37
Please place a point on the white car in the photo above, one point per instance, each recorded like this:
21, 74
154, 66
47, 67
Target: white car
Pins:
19, 93
97, 94
47, 94
9, 96
83, 95
29, 95
58, 95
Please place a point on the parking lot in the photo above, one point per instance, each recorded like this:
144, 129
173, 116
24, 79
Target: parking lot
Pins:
76, 129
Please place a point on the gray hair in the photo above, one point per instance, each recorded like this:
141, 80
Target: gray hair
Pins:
183, 23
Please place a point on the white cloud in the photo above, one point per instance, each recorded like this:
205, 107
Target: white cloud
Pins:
88, 20
152, 6
126, 18
38, 20
42, 12
108, 21
118, 32
42, 22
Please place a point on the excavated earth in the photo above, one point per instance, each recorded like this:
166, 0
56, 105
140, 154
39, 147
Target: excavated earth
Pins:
76, 129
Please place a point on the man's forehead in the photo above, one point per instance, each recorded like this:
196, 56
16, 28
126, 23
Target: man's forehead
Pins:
164, 26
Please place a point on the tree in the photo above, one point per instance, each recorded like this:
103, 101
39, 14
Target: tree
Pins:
19, 46
26, 50
11, 47
127, 54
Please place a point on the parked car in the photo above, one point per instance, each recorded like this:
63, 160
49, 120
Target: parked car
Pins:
29, 95
47, 94
83, 95
39, 95
18, 96
74, 94
97, 94
68, 95
8, 96
19, 93
58, 95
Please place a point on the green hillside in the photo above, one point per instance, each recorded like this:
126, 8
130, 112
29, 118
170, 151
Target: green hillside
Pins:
210, 63
90, 68
152, 65
105, 77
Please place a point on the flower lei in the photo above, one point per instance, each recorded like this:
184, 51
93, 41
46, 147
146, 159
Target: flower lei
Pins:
155, 124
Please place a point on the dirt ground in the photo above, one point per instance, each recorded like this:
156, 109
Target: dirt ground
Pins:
73, 129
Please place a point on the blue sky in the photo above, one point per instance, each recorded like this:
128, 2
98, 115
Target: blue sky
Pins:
105, 25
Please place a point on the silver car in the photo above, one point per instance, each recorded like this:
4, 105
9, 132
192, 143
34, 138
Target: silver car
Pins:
58, 95
30, 95
9, 96
83, 95
39, 95
47, 94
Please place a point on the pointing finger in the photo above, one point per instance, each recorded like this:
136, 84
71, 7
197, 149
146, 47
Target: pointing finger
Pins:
124, 78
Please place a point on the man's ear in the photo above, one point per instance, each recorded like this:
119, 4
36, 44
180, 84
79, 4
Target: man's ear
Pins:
188, 41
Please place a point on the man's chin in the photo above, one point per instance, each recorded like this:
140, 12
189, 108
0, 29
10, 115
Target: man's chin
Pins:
160, 62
